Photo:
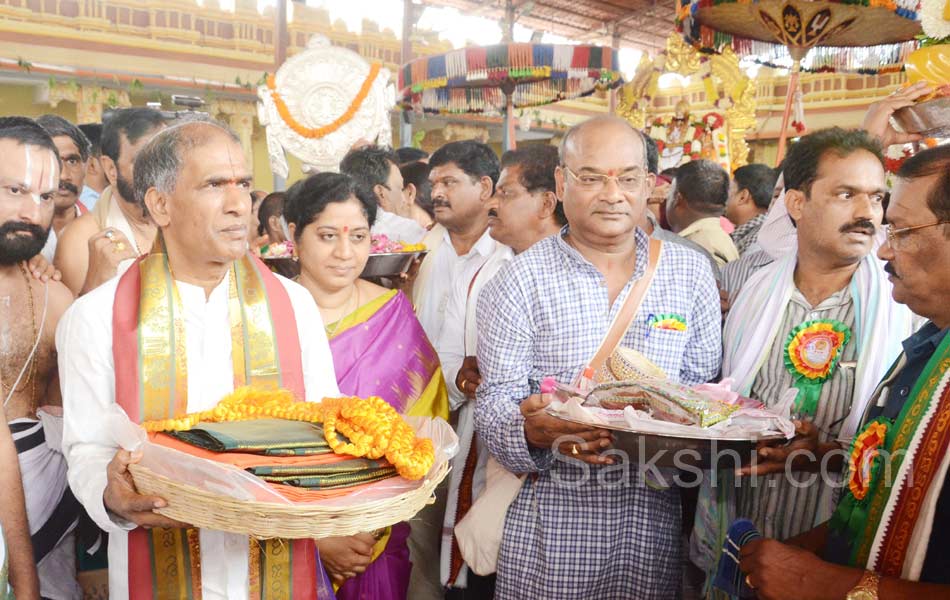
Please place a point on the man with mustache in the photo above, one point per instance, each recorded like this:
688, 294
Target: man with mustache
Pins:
30, 310
192, 182
820, 320
888, 536
463, 176
73, 150
103, 243
523, 211
581, 526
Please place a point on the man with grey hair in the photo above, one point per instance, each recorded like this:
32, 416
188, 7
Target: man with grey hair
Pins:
194, 185
585, 524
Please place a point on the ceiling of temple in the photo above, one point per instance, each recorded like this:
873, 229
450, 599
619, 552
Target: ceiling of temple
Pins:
641, 24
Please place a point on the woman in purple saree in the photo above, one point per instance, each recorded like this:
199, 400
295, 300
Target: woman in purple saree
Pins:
379, 349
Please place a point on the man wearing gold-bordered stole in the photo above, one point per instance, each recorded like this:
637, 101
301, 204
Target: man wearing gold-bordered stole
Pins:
189, 322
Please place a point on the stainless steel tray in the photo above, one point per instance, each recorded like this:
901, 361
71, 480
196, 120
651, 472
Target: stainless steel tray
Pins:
682, 452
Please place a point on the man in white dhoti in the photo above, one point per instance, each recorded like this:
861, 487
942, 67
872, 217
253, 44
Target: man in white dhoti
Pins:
29, 311
192, 182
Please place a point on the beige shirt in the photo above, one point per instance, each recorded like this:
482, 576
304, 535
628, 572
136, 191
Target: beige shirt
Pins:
709, 234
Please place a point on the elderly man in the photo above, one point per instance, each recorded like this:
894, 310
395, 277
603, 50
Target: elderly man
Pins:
523, 211
750, 194
888, 536
378, 179
29, 181
103, 243
696, 201
828, 296
581, 528
192, 182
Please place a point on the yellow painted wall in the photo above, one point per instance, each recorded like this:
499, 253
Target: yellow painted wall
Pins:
19, 100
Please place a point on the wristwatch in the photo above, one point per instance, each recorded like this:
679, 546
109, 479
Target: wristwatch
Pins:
866, 589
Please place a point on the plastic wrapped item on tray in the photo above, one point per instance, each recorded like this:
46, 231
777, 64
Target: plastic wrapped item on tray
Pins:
662, 400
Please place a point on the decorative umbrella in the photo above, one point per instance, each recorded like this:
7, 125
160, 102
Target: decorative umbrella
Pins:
497, 79
865, 36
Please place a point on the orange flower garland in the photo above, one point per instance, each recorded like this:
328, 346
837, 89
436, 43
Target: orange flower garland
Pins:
374, 428
346, 117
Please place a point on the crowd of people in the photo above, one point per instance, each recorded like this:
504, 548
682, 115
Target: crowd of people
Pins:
131, 289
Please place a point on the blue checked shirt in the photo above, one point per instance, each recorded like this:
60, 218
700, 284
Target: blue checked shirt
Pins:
578, 532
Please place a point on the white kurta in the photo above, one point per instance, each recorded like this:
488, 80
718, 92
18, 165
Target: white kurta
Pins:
447, 269
84, 343
397, 228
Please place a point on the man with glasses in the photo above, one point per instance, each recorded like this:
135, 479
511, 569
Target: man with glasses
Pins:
888, 537
586, 524
819, 320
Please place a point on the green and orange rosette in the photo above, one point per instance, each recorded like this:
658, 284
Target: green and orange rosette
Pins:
669, 322
864, 470
863, 465
812, 353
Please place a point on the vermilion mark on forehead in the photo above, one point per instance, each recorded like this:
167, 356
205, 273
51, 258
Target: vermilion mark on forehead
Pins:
346, 229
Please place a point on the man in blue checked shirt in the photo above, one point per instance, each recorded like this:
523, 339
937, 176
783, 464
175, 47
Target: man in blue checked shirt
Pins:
586, 525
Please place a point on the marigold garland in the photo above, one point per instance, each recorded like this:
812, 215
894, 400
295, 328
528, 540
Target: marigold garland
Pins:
319, 132
373, 427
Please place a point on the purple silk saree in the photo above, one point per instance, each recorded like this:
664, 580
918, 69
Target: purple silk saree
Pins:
381, 350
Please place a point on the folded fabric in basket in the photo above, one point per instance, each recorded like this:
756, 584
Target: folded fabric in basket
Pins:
350, 472
271, 437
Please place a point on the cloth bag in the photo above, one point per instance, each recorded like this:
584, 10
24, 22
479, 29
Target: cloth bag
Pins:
480, 531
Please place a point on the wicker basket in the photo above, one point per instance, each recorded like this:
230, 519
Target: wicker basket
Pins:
265, 520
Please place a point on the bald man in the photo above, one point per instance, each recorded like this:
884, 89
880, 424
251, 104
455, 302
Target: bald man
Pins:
586, 524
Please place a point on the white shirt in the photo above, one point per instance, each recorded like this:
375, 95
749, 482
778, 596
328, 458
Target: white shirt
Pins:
459, 336
396, 228
87, 378
448, 268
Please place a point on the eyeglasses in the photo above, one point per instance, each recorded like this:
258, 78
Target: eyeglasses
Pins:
627, 182
894, 234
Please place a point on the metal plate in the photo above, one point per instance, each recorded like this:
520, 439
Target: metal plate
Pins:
930, 118
682, 452
390, 264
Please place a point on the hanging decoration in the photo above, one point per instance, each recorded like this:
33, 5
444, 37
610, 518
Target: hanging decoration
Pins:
320, 102
867, 36
478, 79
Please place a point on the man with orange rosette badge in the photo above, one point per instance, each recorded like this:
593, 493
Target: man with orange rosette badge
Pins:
888, 537
170, 337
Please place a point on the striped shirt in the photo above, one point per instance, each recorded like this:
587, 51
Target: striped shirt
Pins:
783, 507
736, 273
577, 532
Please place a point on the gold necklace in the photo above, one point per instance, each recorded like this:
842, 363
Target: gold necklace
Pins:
347, 311
31, 378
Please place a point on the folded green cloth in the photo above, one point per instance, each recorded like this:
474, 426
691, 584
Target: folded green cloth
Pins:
349, 466
338, 480
270, 437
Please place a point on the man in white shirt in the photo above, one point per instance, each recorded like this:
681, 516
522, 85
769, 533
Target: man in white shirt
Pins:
377, 175
73, 148
96, 181
463, 176
193, 183
524, 210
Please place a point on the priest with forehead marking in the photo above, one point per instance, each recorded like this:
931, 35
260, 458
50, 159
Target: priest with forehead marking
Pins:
192, 182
